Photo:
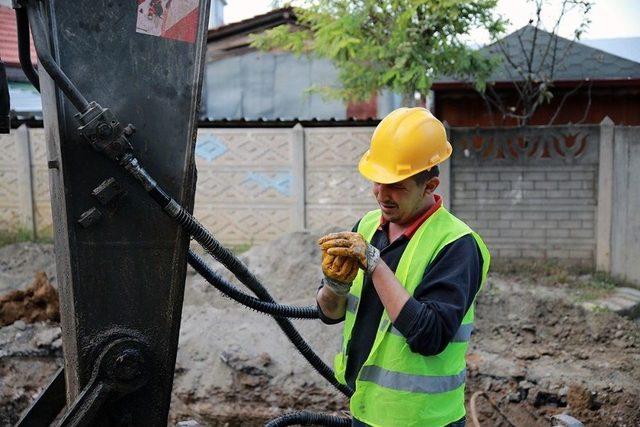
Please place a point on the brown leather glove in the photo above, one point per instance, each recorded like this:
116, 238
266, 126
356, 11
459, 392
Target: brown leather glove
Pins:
351, 245
339, 273
339, 268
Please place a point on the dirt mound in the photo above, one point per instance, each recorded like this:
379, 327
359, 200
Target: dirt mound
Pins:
39, 302
537, 354
19, 262
288, 266
535, 351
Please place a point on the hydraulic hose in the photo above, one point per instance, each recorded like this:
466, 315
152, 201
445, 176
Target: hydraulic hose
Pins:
306, 418
273, 309
174, 210
46, 60
24, 51
230, 261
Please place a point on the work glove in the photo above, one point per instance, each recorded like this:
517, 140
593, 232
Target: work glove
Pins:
339, 273
351, 245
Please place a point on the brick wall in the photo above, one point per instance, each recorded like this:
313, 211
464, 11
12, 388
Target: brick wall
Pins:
529, 194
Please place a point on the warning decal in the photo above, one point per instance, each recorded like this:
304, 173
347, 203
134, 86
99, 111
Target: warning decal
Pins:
170, 19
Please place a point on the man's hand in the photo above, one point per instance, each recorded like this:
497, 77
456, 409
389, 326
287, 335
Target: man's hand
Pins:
339, 273
339, 268
351, 245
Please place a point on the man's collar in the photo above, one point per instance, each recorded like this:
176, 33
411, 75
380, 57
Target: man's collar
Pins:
413, 227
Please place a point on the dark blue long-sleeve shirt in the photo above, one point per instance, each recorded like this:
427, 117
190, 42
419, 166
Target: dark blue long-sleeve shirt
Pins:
433, 314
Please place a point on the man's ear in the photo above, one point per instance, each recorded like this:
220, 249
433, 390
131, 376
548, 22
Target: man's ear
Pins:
431, 185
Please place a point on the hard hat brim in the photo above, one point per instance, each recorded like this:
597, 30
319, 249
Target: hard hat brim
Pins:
376, 173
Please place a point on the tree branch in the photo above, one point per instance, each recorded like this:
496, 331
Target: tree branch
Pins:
564, 98
586, 110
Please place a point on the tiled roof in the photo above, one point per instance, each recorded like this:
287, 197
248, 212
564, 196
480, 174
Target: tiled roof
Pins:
575, 61
9, 38
625, 47
271, 19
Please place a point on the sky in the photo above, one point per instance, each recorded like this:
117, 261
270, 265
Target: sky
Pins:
609, 18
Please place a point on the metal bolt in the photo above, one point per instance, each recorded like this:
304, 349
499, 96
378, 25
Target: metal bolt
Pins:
129, 129
104, 130
89, 217
128, 365
108, 192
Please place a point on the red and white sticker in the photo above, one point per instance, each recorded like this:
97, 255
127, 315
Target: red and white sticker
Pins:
169, 19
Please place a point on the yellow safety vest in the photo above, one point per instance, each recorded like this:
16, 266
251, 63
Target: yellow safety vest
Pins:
395, 386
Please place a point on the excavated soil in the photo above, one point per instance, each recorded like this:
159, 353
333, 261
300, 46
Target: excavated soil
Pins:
38, 303
535, 351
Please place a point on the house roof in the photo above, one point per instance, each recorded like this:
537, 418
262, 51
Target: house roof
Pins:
574, 61
9, 39
265, 21
625, 47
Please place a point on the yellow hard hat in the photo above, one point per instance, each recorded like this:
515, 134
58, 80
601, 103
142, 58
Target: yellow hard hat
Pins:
406, 142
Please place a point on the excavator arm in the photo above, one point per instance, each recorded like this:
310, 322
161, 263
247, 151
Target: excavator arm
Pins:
121, 229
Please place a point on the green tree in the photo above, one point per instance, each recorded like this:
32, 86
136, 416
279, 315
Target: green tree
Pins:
401, 45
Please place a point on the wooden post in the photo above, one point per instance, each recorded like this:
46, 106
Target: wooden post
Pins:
605, 196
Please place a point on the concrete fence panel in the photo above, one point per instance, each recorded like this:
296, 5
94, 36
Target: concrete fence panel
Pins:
12, 164
625, 226
562, 192
336, 194
245, 183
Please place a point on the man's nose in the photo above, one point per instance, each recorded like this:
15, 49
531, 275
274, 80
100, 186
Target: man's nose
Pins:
383, 193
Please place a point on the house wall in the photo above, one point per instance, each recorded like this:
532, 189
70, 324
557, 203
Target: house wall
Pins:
565, 192
467, 108
268, 85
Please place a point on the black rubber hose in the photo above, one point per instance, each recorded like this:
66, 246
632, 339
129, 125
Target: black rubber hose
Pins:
46, 60
273, 309
306, 418
229, 260
24, 50
222, 254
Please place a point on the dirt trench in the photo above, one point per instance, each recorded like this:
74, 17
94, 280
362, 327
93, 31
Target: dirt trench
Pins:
534, 351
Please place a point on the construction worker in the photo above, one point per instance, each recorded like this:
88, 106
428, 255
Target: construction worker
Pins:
404, 281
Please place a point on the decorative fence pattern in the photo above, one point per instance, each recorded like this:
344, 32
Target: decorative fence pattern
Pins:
531, 192
535, 192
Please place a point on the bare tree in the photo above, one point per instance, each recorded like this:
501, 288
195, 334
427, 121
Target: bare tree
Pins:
531, 63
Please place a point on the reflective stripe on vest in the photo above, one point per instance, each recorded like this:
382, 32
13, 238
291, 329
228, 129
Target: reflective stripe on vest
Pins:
413, 383
463, 334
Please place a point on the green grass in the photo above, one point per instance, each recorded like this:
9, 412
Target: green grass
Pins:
587, 283
599, 285
240, 248
21, 235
